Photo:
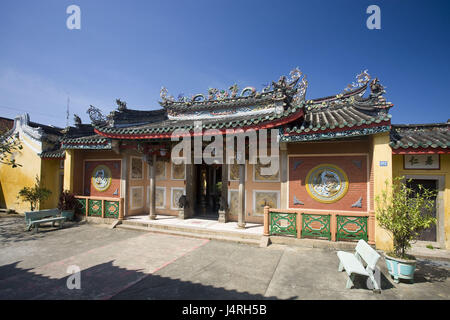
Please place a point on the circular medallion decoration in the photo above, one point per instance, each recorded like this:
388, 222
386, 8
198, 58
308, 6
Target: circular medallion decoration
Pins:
326, 183
101, 178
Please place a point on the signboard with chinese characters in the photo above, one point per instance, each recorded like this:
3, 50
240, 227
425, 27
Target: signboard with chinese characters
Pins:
421, 161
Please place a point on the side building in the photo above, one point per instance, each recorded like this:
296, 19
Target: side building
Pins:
36, 159
421, 153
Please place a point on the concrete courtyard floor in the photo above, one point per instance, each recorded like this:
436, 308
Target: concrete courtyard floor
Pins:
128, 264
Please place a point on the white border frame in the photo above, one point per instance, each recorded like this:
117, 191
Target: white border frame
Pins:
171, 196
245, 171
171, 172
131, 168
132, 207
148, 197
229, 198
156, 177
121, 172
367, 155
266, 191
266, 181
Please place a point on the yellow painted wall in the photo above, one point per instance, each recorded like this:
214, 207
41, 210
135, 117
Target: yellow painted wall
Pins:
381, 151
69, 163
443, 171
50, 173
14, 179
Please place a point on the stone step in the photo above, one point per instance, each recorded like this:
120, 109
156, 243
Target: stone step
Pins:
194, 229
314, 243
430, 254
191, 234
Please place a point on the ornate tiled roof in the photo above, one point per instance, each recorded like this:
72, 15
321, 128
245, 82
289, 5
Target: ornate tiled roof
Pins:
82, 136
421, 136
277, 103
49, 130
165, 128
125, 117
281, 103
55, 154
94, 141
230, 103
342, 115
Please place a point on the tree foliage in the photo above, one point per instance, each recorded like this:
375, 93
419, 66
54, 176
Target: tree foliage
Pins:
8, 146
34, 195
404, 213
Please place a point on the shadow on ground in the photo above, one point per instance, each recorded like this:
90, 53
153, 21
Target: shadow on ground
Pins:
360, 282
12, 229
106, 281
429, 271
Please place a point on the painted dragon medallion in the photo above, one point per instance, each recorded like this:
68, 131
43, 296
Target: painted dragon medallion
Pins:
326, 183
101, 178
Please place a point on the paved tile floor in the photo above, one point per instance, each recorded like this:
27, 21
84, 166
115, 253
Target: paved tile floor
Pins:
126, 264
205, 224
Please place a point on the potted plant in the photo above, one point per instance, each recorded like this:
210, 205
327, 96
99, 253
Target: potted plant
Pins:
404, 213
67, 204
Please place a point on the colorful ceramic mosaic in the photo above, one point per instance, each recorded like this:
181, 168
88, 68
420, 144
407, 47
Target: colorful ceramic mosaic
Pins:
101, 178
326, 183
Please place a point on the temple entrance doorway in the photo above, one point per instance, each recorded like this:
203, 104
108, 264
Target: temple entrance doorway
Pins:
208, 190
428, 234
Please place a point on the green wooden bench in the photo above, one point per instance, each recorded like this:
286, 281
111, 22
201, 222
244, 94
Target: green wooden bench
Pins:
35, 218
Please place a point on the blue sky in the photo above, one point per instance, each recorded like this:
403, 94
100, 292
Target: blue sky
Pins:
129, 49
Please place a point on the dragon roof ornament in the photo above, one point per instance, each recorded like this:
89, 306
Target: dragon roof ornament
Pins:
376, 88
295, 86
361, 80
95, 115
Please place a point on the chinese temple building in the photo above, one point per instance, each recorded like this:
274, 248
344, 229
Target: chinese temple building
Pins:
335, 155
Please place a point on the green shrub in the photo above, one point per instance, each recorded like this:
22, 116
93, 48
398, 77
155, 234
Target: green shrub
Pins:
404, 213
34, 195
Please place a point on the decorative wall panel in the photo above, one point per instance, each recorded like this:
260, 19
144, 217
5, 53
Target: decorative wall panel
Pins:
102, 178
328, 182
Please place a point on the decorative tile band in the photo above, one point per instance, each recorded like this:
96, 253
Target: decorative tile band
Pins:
334, 135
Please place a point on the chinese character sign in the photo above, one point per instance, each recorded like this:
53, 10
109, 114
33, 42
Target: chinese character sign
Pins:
421, 161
